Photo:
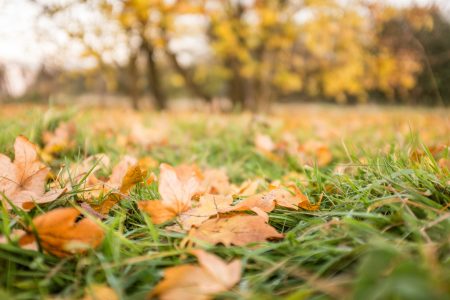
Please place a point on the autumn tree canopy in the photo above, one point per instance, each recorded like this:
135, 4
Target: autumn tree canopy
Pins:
251, 52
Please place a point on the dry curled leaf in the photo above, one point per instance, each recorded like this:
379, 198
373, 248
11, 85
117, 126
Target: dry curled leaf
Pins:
124, 176
60, 232
198, 282
238, 230
23, 181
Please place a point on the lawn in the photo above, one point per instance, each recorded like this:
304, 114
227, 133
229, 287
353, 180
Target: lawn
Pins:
379, 177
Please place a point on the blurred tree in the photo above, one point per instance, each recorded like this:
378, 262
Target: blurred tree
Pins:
434, 83
256, 43
260, 50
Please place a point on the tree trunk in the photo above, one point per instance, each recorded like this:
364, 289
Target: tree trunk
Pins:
133, 88
154, 77
236, 86
190, 83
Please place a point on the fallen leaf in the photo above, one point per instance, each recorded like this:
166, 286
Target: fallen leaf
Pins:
148, 137
312, 152
100, 292
158, 212
198, 282
61, 233
247, 188
16, 235
61, 139
176, 186
86, 169
208, 205
236, 230
264, 143
126, 174
215, 181
23, 181
265, 202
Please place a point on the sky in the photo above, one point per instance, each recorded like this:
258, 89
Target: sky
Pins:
21, 44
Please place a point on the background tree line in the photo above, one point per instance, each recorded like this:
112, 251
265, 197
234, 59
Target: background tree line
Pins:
252, 52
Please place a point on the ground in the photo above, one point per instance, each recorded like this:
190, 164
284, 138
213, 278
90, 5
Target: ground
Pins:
382, 174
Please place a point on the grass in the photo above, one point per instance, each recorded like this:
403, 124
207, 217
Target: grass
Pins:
383, 230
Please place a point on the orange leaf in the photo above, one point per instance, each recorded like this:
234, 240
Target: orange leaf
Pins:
61, 234
157, 211
198, 282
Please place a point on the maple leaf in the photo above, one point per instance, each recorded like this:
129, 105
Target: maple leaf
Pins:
236, 230
23, 181
176, 186
215, 181
265, 202
247, 188
60, 233
208, 205
198, 282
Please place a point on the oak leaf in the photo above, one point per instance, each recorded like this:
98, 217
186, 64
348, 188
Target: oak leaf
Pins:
23, 181
60, 233
198, 282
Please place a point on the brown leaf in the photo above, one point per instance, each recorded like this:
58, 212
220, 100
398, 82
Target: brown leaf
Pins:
23, 181
198, 282
236, 230
61, 234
